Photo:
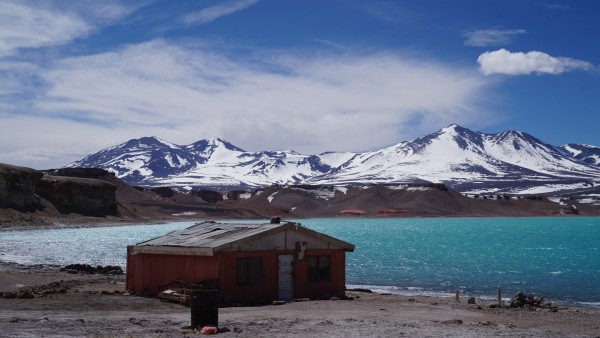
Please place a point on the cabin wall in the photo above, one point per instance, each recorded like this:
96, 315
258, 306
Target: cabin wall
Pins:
336, 286
249, 294
151, 271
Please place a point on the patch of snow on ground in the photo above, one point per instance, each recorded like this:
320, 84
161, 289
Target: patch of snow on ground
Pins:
258, 192
418, 189
573, 151
270, 198
320, 193
592, 201
245, 196
343, 190
187, 188
185, 213
556, 200
293, 208
397, 187
548, 188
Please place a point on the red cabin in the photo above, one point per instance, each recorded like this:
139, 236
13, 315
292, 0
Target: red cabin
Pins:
250, 263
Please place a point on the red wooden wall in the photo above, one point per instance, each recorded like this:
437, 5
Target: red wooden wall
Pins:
148, 271
251, 294
336, 286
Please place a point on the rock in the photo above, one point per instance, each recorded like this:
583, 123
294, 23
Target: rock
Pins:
85, 196
471, 300
521, 299
209, 196
108, 269
361, 290
452, 322
18, 186
9, 295
301, 299
25, 295
164, 192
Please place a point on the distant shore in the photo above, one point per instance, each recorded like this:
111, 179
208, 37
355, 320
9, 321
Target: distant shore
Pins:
91, 305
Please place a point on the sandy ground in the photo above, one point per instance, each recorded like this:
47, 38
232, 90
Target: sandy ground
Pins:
84, 305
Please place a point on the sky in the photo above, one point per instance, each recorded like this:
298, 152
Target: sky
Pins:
307, 75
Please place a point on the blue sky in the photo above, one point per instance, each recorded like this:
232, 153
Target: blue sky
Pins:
313, 76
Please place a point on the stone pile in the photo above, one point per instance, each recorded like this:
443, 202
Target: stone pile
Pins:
108, 269
521, 300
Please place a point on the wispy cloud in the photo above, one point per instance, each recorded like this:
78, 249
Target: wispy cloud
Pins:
559, 7
183, 93
210, 14
503, 61
22, 26
491, 37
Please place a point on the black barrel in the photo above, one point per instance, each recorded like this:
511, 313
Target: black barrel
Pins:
204, 307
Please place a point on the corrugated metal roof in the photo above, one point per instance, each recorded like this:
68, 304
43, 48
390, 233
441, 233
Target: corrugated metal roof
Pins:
208, 237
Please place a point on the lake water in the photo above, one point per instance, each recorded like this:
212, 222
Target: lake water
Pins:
558, 258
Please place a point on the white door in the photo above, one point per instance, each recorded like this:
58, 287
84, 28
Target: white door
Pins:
286, 282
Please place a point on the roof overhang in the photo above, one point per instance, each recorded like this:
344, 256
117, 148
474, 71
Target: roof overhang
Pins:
171, 250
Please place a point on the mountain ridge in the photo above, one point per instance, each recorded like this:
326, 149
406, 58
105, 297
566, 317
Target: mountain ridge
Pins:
471, 162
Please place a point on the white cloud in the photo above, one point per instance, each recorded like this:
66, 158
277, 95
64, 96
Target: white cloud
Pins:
491, 37
22, 26
212, 13
503, 61
282, 101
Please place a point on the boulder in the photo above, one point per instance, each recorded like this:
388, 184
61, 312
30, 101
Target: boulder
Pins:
17, 186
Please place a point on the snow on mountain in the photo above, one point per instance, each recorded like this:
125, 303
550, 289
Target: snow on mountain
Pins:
141, 158
456, 154
583, 152
470, 161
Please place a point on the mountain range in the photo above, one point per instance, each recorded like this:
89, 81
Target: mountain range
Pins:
471, 162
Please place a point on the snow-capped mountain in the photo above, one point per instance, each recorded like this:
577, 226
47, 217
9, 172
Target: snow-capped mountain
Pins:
508, 162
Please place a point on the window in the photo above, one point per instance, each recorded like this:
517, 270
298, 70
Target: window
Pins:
319, 268
249, 270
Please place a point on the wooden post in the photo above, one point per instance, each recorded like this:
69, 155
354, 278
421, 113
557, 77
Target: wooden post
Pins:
458, 295
499, 297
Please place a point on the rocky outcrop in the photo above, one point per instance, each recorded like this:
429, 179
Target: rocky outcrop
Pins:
164, 192
209, 196
17, 186
79, 195
80, 172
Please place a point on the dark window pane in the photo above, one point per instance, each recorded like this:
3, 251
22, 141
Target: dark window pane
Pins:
249, 271
241, 271
319, 268
255, 271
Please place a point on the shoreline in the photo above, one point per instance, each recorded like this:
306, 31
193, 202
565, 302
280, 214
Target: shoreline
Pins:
362, 288
96, 304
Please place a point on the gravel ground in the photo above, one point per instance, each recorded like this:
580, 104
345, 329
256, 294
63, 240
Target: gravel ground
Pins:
96, 305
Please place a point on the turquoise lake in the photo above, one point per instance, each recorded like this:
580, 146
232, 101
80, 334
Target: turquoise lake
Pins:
558, 258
